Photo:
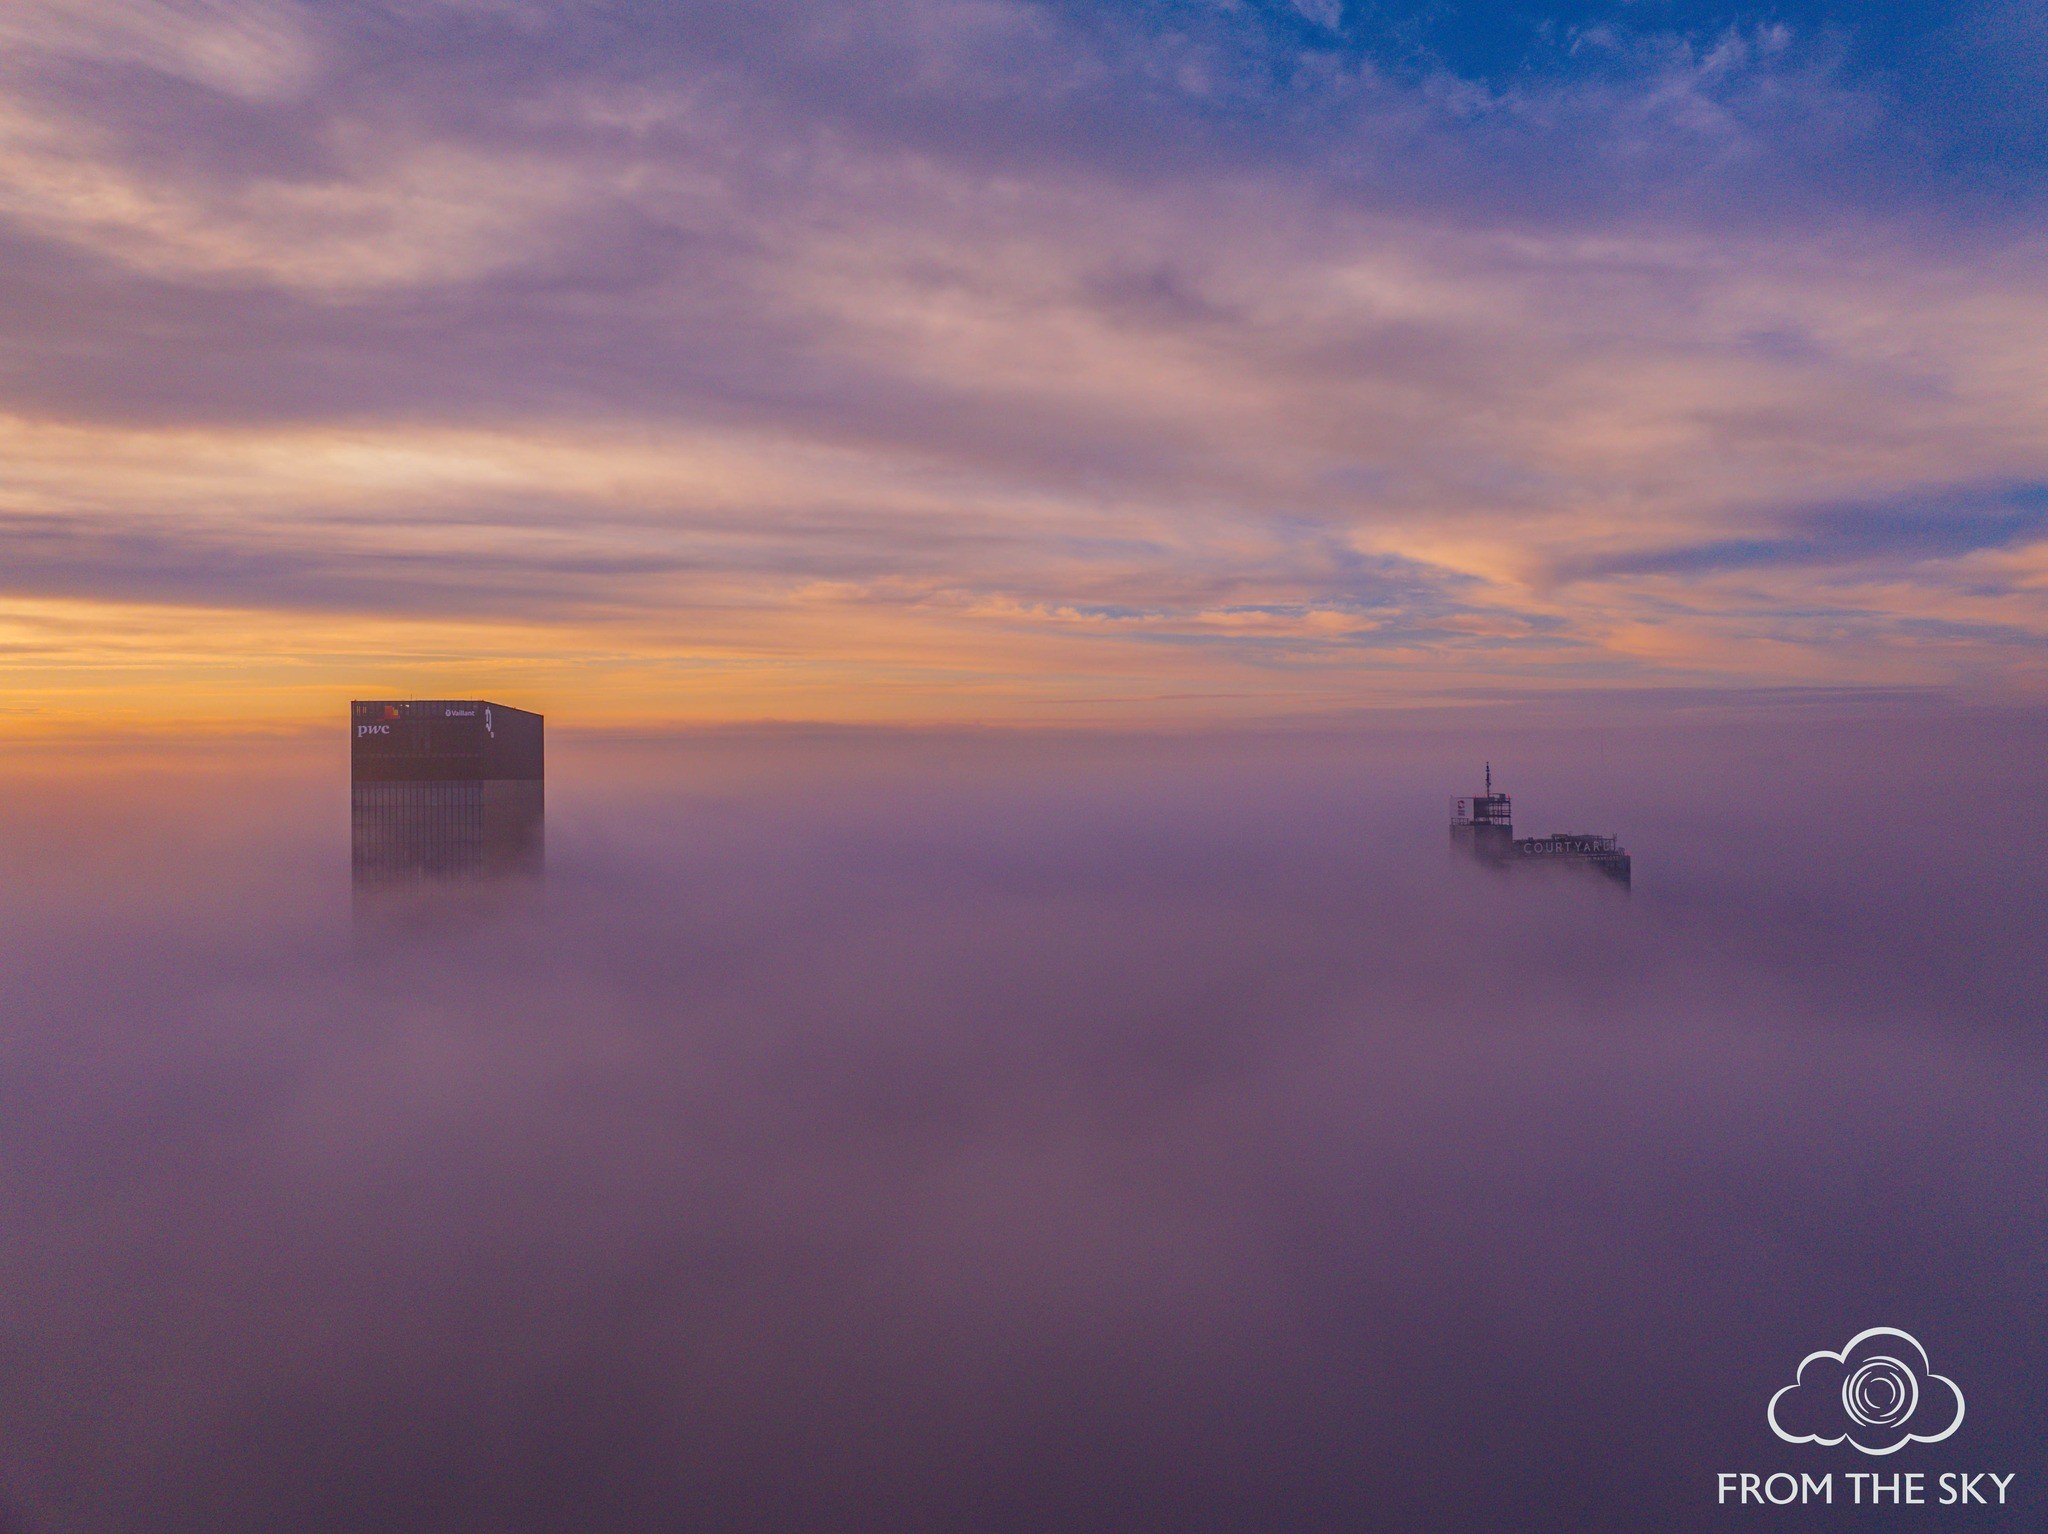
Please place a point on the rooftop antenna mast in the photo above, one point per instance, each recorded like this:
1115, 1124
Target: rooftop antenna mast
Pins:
1489, 780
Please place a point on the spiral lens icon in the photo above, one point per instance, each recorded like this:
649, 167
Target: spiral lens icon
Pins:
1875, 1401
1881, 1393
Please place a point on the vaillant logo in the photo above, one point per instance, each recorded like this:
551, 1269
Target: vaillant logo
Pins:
1879, 1393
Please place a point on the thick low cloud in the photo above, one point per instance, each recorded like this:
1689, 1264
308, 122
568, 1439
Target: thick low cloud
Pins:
1000, 1131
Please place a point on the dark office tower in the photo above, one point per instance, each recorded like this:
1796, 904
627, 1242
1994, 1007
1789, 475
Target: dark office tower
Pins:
445, 790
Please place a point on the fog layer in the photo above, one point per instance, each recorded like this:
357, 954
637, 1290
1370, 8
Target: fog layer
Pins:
1017, 1132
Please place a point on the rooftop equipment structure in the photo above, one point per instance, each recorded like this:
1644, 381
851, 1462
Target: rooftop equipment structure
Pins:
1483, 829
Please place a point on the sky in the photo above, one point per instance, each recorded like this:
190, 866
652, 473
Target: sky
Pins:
1027, 360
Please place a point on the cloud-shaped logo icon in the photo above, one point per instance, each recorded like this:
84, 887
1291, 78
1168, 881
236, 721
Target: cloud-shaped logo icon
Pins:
1879, 1393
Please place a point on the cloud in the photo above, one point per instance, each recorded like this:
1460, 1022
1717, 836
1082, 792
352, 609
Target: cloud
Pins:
978, 1098
1928, 525
392, 215
1879, 1393
252, 49
1034, 321
1324, 13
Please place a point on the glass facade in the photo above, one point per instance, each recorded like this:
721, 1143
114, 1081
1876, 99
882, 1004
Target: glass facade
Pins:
409, 832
